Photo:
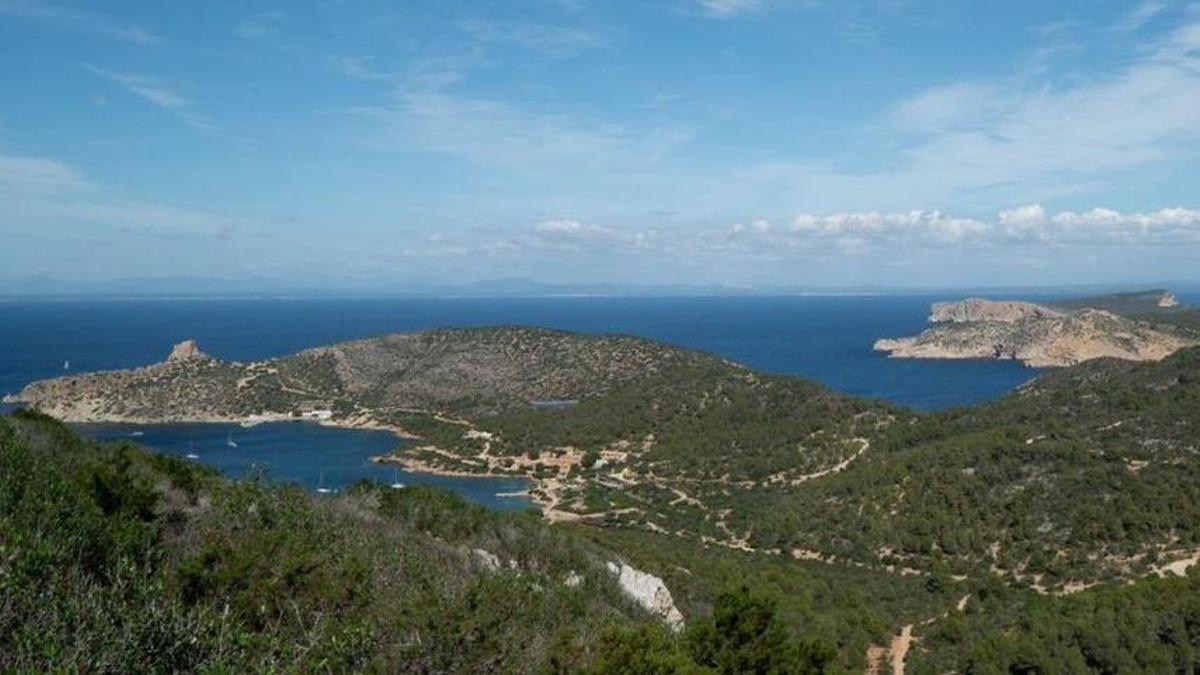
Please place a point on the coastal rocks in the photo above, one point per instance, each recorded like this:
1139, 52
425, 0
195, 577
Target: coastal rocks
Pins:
649, 591
1167, 300
1036, 335
187, 350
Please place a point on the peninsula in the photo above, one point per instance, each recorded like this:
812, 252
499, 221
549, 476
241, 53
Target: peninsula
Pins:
1144, 326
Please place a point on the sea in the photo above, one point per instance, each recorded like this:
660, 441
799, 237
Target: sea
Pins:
826, 338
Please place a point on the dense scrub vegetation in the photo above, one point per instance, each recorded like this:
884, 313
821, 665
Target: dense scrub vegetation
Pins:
712, 422
115, 560
1085, 474
1150, 627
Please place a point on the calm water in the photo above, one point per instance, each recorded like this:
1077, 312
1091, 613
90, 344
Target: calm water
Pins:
824, 338
300, 452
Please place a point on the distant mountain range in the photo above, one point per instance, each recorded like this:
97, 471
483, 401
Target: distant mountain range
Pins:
214, 287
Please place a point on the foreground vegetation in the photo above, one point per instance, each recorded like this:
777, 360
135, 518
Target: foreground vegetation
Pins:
114, 560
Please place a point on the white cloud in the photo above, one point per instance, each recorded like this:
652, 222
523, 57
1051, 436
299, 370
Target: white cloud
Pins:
958, 106
1023, 225
565, 226
728, 8
860, 230
499, 133
1023, 222
867, 233
38, 175
157, 93
1011, 139
1140, 15
981, 135
360, 68
37, 191
78, 21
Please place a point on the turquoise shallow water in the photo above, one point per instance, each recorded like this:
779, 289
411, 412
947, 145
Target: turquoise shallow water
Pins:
301, 452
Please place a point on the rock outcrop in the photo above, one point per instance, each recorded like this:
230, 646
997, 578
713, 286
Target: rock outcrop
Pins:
186, 351
1038, 335
649, 591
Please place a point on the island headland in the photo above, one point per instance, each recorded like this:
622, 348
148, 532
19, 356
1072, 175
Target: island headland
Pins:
1142, 326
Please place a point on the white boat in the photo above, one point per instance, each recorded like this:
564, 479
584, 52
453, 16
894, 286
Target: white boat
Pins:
66, 365
396, 484
137, 434
229, 441
192, 455
321, 489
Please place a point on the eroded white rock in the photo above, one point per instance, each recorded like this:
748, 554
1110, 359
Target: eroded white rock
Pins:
490, 560
649, 591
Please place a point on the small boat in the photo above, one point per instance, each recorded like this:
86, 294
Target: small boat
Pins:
137, 434
321, 489
396, 484
66, 365
192, 455
229, 441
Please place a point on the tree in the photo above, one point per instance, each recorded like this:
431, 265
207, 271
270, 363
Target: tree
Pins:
745, 635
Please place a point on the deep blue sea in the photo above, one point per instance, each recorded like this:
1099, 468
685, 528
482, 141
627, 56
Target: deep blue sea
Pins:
826, 338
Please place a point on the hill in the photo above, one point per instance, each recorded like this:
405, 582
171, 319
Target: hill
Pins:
470, 372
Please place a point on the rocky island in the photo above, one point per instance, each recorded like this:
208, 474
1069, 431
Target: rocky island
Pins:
1145, 326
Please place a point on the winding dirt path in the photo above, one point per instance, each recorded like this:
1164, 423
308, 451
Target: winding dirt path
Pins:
897, 651
864, 445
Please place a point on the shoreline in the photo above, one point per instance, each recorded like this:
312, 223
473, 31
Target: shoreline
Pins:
541, 491
535, 493
247, 422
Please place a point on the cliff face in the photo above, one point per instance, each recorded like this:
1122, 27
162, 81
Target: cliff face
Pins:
1037, 335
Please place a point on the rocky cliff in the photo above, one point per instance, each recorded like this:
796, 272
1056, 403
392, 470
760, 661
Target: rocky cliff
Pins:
1038, 335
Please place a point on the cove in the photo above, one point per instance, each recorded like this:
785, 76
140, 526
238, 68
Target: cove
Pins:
308, 454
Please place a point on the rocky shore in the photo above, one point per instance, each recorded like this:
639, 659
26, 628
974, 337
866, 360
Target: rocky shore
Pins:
1038, 335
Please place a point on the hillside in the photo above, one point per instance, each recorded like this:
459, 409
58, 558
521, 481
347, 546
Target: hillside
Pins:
1134, 326
1085, 474
115, 560
470, 372
706, 473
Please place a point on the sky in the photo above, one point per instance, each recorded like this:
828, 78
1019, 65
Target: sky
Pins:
748, 143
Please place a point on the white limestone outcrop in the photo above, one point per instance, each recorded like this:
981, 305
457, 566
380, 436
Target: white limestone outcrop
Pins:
649, 591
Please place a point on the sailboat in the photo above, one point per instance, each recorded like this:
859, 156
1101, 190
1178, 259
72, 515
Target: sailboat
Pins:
229, 440
396, 484
192, 449
66, 365
321, 489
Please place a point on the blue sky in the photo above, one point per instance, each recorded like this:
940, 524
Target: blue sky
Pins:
742, 142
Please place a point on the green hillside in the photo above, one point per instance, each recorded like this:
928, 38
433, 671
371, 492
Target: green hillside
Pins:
115, 560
